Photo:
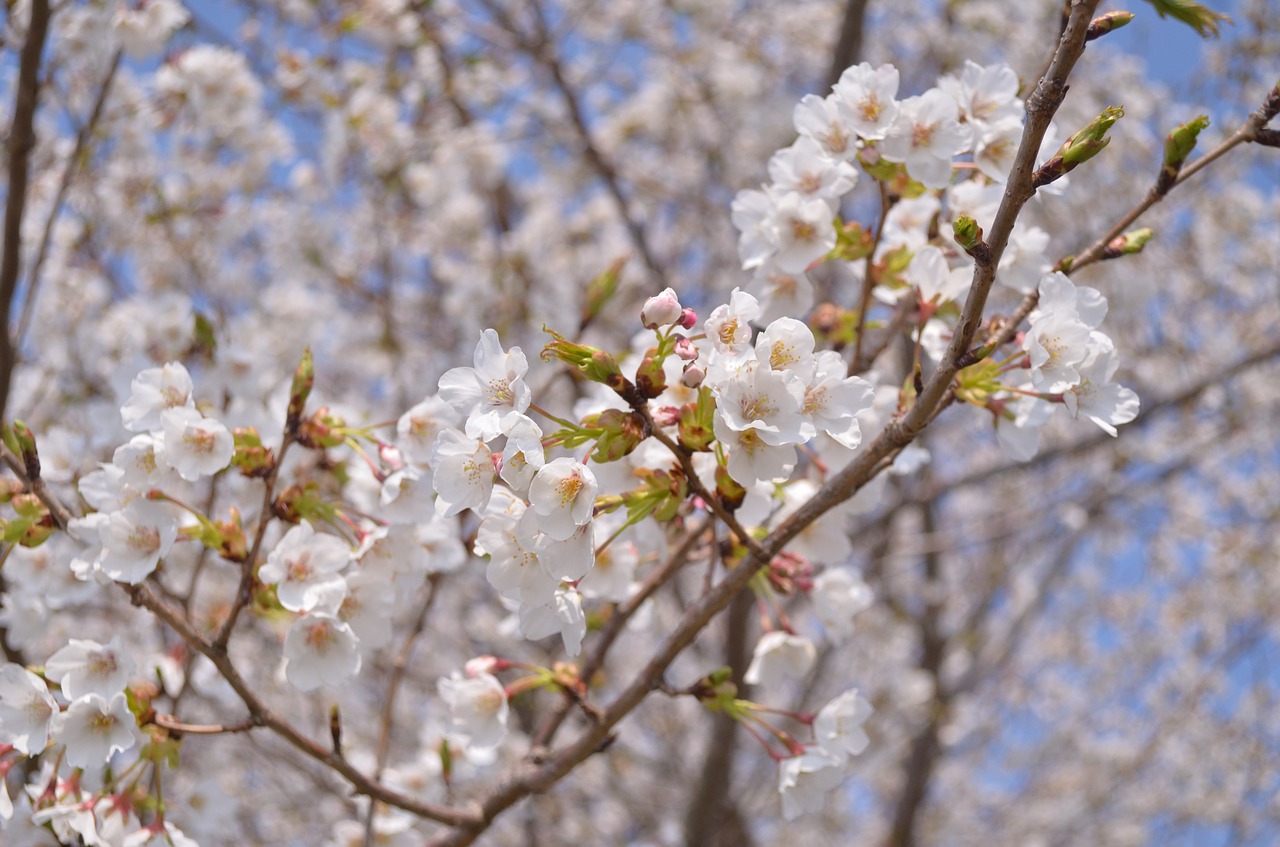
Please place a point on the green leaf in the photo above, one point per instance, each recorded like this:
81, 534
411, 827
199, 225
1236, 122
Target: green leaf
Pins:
1195, 15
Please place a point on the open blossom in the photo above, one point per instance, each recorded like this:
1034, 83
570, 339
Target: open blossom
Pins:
985, 95
562, 616
478, 707
804, 781
1061, 332
805, 168
87, 667
563, 493
780, 656
94, 729
510, 539
751, 459
729, 326
926, 136
838, 725
1095, 396
304, 568
786, 345
801, 230
823, 120
26, 709
153, 391
464, 473
523, 454
489, 391
865, 97
766, 401
832, 400
195, 446
135, 538
320, 650
418, 428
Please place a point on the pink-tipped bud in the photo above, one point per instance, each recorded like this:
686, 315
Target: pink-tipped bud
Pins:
693, 375
685, 350
661, 310
482, 664
391, 456
666, 416
688, 318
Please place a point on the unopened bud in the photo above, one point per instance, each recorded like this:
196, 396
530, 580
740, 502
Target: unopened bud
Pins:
1177, 147
686, 350
1103, 24
1127, 244
303, 379
661, 310
1079, 148
666, 416
688, 318
693, 375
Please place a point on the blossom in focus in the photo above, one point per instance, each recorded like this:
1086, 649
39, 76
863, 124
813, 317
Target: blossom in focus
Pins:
563, 493
304, 567
490, 390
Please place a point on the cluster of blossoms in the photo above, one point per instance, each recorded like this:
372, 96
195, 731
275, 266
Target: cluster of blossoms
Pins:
969, 125
131, 532
743, 418
89, 722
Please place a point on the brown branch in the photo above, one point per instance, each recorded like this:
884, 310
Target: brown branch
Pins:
172, 724
143, 595
398, 669
244, 592
903, 429
1246, 132
22, 140
623, 613
849, 45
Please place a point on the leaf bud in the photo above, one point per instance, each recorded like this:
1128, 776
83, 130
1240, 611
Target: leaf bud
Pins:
1079, 148
1103, 24
593, 363
303, 380
322, 430
250, 457
600, 291
1130, 242
1177, 147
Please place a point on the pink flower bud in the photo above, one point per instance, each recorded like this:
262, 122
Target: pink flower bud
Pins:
685, 350
661, 310
391, 456
693, 375
688, 318
666, 416
480, 665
